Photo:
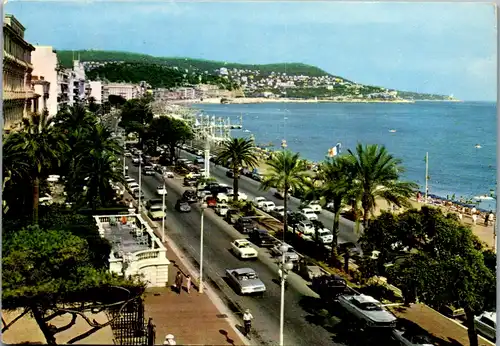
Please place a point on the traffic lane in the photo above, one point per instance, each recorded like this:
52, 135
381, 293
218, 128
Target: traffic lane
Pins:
251, 187
184, 228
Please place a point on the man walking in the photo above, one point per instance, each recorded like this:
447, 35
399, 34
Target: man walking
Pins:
188, 284
178, 282
247, 321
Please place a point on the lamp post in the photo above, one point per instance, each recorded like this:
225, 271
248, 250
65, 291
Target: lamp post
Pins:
203, 206
284, 268
140, 183
164, 213
124, 148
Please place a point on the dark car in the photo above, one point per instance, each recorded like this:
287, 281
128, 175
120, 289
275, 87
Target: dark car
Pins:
230, 173
245, 225
190, 196
182, 206
231, 216
190, 181
329, 286
153, 201
262, 238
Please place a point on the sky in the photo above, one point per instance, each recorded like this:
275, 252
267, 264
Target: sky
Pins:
443, 48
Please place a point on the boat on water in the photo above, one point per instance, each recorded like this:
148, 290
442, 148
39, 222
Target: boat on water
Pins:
477, 146
483, 198
392, 131
246, 130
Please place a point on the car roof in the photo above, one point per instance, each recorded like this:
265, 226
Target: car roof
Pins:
490, 315
304, 210
362, 298
241, 241
155, 200
242, 270
262, 231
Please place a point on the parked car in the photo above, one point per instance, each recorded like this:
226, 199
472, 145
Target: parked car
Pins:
190, 181
156, 212
305, 227
328, 286
154, 201
309, 214
221, 209
268, 206
279, 194
230, 173
315, 206
262, 238
168, 174
407, 338
127, 154
257, 201
135, 193
148, 170
161, 190
486, 324
182, 206
211, 202
243, 249
290, 254
368, 310
231, 216
190, 196
241, 196
245, 225
257, 176
325, 236
245, 280
132, 185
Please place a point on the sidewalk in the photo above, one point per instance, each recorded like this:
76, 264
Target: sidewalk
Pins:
447, 331
194, 319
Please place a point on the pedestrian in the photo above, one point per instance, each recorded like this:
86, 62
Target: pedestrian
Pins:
486, 219
188, 283
473, 210
178, 282
474, 218
491, 217
247, 321
460, 216
169, 340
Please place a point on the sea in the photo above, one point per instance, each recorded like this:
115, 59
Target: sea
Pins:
459, 137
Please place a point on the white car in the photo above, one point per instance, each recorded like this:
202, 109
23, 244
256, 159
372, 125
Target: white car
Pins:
221, 209
368, 310
243, 249
129, 180
168, 174
406, 338
161, 190
127, 154
45, 200
257, 201
268, 206
309, 214
305, 227
314, 205
324, 236
241, 196
133, 186
486, 324
199, 152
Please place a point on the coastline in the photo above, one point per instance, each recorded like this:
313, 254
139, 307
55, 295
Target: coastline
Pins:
253, 100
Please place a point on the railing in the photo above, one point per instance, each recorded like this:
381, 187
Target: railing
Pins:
150, 254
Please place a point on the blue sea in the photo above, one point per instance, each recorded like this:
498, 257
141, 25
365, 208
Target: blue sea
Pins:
448, 131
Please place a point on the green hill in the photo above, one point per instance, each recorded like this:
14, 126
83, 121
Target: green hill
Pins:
66, 56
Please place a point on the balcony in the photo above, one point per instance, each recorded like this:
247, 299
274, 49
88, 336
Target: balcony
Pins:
135, 248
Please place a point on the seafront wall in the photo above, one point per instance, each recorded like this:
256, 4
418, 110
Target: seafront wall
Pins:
248, 100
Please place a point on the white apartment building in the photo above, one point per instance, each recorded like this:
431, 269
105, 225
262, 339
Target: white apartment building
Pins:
126, 90
44, 60
97, 91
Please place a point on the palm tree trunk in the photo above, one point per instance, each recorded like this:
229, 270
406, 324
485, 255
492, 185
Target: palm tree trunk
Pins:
49, 336
285, 214
236, 184
471, 329
366, 216
36, 198
335, 232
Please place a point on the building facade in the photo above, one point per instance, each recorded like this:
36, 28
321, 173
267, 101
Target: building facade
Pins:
45, 66
97, 91
126, 90
18, 95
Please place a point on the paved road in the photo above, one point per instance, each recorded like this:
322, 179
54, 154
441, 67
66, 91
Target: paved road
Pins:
184, 229
251, 187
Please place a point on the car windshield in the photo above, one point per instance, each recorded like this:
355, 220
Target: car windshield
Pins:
156, 208
160, 187
367, 306
247, 276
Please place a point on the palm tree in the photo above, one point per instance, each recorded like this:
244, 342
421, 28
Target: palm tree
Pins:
237, 153
287, 171
375, 174
333, 184
41, 145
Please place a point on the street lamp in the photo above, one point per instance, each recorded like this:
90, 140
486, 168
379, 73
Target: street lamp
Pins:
284, 267
124, 148
140, 183
203, 206
164, 213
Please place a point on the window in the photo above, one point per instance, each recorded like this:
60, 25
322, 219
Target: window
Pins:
485, 320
